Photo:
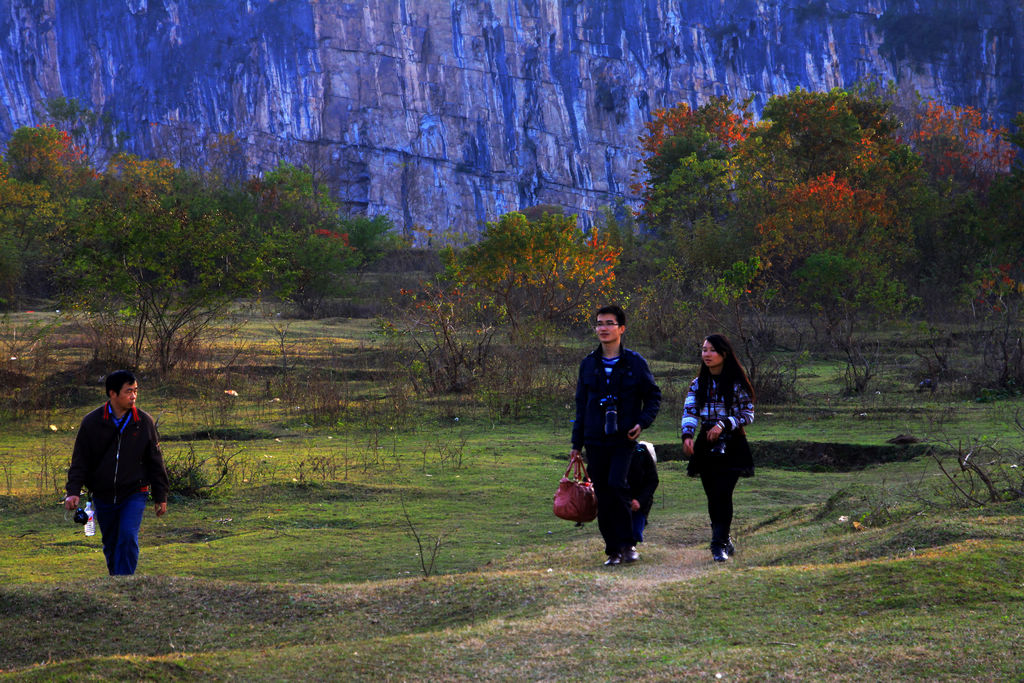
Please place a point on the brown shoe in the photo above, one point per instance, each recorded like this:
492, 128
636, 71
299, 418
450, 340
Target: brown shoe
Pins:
630, 554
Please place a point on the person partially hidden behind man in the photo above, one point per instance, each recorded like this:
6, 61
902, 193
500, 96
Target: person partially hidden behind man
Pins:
616, 399
117, 457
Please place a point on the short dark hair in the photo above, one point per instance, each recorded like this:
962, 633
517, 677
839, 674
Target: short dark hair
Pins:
117, 379
612, 309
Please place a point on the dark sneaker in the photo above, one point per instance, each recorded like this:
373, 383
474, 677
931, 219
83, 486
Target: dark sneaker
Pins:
613, 560
630, 554
718, 554
730, 549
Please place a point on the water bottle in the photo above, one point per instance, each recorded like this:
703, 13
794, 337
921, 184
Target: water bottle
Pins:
90, 524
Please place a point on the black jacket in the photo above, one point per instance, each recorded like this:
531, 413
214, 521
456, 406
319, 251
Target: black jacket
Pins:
113, 464
643, 478
638, 398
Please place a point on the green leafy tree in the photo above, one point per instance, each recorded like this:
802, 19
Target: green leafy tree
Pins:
318, 250
687, 185
152, 245
30, 219
967, 201
997, 286
42, 178
832, 197
91, 133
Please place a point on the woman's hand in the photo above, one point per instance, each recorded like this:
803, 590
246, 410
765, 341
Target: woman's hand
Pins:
688, 446
715, 432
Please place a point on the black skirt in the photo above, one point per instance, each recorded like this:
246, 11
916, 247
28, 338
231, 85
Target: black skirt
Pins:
737, 455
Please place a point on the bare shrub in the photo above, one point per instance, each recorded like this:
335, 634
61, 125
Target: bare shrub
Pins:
320, 465
451, 450
123, 337
7, 467
511, 381
285, 346
116, 337
390, 411
424, 544
26, 355
323, 466
980, 471
380, 449
327, 402
254, 471
756, 331
934, 354
775, 379
452, 337
192, 475
50, 472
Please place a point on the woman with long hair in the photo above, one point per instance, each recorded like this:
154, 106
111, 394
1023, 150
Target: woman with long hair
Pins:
719, 404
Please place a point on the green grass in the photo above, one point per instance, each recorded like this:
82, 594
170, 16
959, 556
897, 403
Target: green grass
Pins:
305, 565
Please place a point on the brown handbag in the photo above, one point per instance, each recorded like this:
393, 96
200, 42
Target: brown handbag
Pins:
575, 499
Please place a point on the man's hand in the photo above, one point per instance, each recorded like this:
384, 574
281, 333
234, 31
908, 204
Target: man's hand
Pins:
574, 453
634, 505
160, 509
634, 433
70, 503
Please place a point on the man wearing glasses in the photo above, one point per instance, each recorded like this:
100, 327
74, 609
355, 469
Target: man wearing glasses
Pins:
117, 457
616, 399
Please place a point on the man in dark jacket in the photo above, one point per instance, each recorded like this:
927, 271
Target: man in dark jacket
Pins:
616, 399
117, 457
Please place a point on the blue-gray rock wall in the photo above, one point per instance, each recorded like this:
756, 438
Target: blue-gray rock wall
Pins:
447, 113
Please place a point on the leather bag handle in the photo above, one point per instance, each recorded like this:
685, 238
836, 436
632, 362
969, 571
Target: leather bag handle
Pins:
578, 469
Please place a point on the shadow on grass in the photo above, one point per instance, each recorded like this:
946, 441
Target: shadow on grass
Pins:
219, 434
815, 456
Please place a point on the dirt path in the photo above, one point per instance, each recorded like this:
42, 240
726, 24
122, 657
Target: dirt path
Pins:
537, 647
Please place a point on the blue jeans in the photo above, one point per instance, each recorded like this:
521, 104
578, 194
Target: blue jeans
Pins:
119, 524
639, 524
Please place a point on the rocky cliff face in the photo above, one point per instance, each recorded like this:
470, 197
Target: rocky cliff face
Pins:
447, 113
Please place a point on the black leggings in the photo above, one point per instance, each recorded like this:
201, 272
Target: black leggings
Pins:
718, 486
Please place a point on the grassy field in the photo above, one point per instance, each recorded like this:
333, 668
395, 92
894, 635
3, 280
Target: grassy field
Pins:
367, 532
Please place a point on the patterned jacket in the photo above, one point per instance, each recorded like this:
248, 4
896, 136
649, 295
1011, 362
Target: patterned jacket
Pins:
740, 412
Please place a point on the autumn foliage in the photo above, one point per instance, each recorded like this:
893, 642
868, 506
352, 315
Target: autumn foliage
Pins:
44, 155
829, 207
546, 268
960, 144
